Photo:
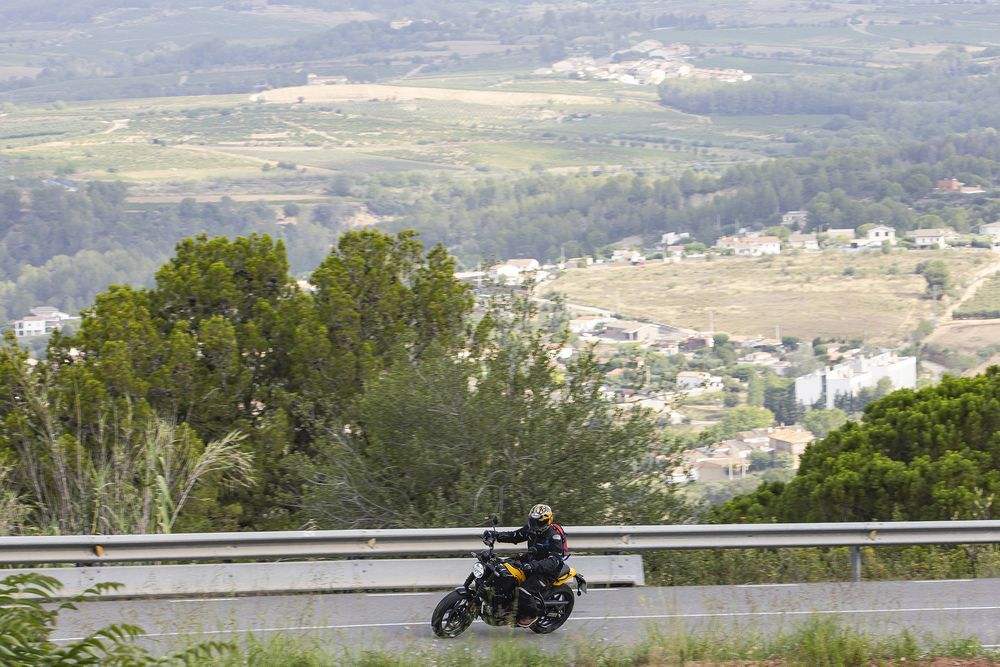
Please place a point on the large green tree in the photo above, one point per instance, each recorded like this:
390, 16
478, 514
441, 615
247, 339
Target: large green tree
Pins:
442, 440
226, 341
373, 293
932, 454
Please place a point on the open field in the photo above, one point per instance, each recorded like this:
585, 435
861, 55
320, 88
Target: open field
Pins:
985, 304
370, 128
359, 92
486, 109
966, 336
804, 295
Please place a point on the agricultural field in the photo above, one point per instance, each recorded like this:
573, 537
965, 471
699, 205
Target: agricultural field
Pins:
985, 304
466, 103
804, 295
367, 128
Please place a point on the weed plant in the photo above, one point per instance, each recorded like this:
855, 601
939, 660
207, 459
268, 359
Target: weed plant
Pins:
819, 642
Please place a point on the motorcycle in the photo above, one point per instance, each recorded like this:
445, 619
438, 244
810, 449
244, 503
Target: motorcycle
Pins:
492, 592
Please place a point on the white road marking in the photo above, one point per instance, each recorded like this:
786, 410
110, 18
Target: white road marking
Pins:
941, 581
228, 599
734, 614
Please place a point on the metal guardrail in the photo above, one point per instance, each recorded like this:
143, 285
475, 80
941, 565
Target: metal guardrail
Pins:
92, 549
307, 576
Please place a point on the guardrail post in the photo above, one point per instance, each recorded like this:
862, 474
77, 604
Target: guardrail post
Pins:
856, 564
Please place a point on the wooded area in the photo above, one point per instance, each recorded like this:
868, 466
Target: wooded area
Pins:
225, 397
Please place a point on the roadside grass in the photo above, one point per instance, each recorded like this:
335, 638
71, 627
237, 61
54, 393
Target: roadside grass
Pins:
828, 294
817, 642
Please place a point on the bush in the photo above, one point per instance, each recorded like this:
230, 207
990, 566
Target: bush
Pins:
30, 612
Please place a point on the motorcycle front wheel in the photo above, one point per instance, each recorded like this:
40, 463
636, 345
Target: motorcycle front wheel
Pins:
453, 615
558, 606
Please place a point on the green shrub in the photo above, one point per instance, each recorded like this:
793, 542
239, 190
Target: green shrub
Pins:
30, 612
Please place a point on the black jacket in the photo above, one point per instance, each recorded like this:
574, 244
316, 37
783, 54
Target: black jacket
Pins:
546, 549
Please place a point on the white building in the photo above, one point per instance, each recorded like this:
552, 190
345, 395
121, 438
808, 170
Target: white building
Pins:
804, 241
991, 229
673, 238
880, 234
798, 219
43, 320
931, 238
587, 324
687, 380
849, 378
629, 255
631, 331
514, 271
752, 246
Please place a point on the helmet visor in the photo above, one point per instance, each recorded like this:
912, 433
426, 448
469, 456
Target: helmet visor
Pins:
537, 522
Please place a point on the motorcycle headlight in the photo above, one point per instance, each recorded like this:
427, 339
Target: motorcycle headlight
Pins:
478, 570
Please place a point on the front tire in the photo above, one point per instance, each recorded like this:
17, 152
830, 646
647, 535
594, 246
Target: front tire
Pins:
453, 615
555, 614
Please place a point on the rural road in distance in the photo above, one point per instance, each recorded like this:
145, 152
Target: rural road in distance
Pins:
401, 621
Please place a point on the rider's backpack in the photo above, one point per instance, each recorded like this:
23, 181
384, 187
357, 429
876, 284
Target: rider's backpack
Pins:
565, 545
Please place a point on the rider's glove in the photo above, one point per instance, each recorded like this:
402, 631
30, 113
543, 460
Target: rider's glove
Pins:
489, 538
528, 568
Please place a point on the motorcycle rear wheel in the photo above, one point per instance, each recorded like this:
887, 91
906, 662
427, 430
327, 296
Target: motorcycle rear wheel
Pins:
453, 615
555, 615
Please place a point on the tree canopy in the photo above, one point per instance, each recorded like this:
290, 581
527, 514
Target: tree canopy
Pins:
932, 454
226, 396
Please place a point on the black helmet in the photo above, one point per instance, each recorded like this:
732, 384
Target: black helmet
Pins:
539, 518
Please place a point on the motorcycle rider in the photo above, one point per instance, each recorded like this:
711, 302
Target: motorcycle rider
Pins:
542, 564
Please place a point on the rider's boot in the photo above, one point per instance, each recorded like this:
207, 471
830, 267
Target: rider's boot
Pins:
531, 607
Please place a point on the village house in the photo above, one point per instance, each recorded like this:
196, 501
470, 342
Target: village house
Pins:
514, 271
669, 347
631, 332
691, 380
672, 238
331, 80
795, 219
630, 256
42, 321
931, 238
879, 234
471, 277
803, 241
752, 246
840, 234
991, 229
791, 440
698, 341
957, 186
587, 324
576, 263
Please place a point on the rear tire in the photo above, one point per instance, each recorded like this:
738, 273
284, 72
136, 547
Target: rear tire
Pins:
453, 615
555, 616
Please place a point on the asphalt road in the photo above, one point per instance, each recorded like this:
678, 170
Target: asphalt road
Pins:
400, 621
